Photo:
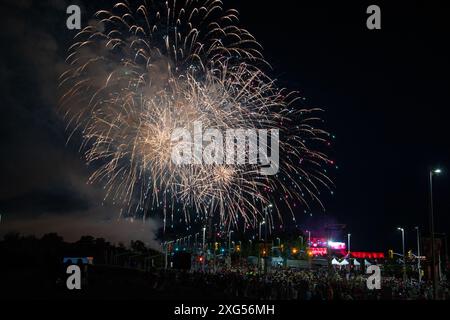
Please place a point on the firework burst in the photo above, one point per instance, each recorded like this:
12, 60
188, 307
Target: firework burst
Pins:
139, 72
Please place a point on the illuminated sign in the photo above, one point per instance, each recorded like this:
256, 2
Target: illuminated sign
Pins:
318, 243
318, 251
336, 245
324, 243
368, 255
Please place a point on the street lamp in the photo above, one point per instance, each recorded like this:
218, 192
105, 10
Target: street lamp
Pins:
433, 172
203, 248
309, 237
348, 242
260, 224
301, 243
403, 248
204, 237
229, 241
265, 219
418, 254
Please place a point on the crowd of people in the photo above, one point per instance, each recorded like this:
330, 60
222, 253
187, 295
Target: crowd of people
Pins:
291, 284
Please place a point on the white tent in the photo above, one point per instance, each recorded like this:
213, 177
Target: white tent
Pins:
335, 262
367, 263
344, 262
356, 262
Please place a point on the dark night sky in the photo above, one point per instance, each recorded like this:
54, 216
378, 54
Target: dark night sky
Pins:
385, 93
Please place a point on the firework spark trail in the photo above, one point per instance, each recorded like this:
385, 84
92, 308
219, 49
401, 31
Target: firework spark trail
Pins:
141, 71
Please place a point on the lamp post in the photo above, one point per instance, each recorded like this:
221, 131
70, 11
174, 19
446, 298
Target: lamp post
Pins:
403, 249
433, 253
309, 237
260, 224
445, 245
348, 242
265, 219
229, 241
204, 238
418, 255
203, 248
259, 248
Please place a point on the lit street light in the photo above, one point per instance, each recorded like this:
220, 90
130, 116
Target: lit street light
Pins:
403, 248
260, 224
204, 248
204, 238
432, 172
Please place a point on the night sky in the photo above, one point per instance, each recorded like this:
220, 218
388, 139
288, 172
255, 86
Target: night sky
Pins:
385, 93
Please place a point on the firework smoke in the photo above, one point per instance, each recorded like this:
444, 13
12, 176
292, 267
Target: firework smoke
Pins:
138, 72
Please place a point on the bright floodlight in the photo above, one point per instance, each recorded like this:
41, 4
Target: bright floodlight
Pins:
401, 229
437, 171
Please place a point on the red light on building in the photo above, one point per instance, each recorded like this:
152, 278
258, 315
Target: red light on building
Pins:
318, 251
367, 255
318, 242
